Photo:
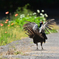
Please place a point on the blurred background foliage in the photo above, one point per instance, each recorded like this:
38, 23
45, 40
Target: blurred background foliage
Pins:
51, 7
19, 11
12, 5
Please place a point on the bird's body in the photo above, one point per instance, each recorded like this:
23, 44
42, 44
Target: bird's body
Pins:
35, 32
39, 38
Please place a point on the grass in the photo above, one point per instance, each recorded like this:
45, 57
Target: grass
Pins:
51, 31
12, 33
11, 30
8, 35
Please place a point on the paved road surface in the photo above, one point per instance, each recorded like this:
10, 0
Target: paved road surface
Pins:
51, 49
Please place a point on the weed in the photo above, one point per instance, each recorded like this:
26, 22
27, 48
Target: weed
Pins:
11, 30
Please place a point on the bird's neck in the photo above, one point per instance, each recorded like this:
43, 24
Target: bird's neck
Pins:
40, 25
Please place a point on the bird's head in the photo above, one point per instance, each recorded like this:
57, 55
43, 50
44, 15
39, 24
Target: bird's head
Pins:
41, 22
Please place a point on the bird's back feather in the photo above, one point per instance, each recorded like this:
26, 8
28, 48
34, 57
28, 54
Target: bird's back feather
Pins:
33, 32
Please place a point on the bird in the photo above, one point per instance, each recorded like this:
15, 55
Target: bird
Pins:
37, 33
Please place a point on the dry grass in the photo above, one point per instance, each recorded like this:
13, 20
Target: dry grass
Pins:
55, 26
12, 34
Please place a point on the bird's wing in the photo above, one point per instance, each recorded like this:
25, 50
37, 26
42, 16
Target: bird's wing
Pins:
46, 25
29, 25
30, 28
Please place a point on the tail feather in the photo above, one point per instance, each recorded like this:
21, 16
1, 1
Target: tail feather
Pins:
29, 31
50, 20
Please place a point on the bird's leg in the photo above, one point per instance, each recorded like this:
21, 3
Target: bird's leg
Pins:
41, 45
37, 45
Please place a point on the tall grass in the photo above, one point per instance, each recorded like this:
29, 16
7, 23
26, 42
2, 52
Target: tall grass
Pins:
11, 30
8, 34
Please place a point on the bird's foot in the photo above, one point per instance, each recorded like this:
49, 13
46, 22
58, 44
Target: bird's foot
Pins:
42, 49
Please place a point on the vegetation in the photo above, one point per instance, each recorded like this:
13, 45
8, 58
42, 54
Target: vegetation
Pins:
11, 30
13, 4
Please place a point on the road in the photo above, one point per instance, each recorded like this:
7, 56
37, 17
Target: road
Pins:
28, 48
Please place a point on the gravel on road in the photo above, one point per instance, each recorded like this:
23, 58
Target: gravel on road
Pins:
26, 49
